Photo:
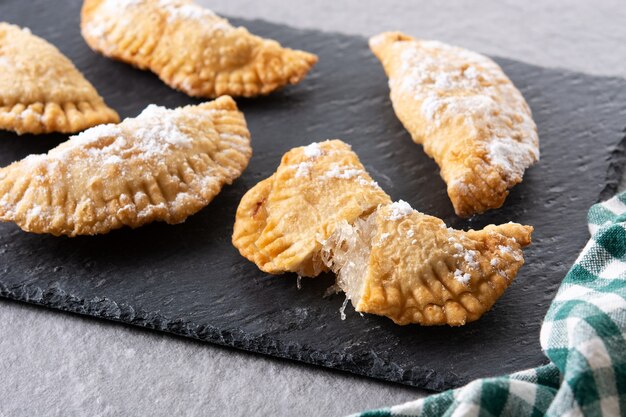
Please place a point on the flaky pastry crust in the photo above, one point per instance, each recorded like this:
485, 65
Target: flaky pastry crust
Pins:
41, 91
163, 165
191, 48
408, 266
466, 113
281, 221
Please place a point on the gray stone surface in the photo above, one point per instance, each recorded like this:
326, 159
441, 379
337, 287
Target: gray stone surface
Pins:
57, 364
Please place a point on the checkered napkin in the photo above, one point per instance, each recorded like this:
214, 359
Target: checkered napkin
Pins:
583, 335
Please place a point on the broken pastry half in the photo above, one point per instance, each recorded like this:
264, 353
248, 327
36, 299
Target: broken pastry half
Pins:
163, 165
410, 267
465, 112
321, 211
41, 91
281, 222
191, 48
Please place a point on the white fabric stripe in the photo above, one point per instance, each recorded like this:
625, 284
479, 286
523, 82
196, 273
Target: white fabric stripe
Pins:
595, 259
595, 352
578, 331
615, 269
564, 403
615, 205
412, 408
545, 334
606, 302
467, 393
519, 390
528, 375
610, 406
466, 410
566, 334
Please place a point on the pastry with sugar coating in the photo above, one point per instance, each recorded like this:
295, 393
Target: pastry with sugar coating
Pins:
191, 48
466, 113
41, 91
163, 165
281, 221
410, 267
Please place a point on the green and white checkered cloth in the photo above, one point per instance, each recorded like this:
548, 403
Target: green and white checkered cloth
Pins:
583, 335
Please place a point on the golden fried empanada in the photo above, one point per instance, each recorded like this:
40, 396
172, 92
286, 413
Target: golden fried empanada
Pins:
408, 266
163, 165
465, 112
41, 91
281, 221
191, 48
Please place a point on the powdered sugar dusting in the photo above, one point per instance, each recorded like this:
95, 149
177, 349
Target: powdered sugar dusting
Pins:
399, 210
35, 211
462, 277
450, 82
313, 150
303, 169
30, 113
508, 251
161, 125
113, 159
470, 257
175, 10
512, 155
185, 10
154, 134
341, 172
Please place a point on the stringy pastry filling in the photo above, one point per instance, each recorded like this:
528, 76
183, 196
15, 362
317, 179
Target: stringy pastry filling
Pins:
347, 252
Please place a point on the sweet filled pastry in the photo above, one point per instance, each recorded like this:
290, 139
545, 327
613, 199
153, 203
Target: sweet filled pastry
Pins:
163, 165
465, 112
281, 222
191, 48
321, 211
41, 91
410, 267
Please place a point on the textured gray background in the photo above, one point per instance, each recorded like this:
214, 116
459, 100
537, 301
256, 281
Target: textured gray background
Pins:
58, 364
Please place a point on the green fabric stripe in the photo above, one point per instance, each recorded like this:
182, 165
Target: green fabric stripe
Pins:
599, 215
620, 382
544, 397
436, 405
377, 413
579, 275
495, 393
548, 376
582, 383
613, 240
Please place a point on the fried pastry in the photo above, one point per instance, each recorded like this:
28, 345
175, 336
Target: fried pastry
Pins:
408, 266
163, 165
41, 91
465, 112
191, 48
281, 221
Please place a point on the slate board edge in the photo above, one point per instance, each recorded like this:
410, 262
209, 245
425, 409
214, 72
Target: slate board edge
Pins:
104, 308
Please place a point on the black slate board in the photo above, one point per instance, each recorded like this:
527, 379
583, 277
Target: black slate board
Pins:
189, 280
